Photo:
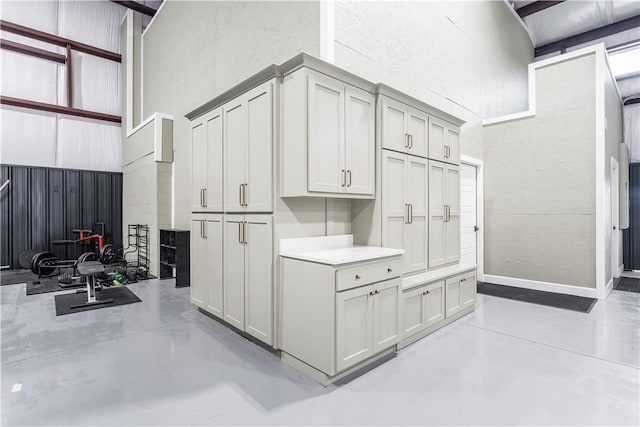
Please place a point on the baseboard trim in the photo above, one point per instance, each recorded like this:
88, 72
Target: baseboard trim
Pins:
620, 270
543, 286
607, 290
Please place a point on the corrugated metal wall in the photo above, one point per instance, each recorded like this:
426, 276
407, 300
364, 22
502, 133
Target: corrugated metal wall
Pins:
41, 205
631, 236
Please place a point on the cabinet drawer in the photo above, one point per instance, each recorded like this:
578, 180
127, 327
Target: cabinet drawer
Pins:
365, 274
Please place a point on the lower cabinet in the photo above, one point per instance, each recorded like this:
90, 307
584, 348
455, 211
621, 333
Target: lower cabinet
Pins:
460, 293
206, 262
232, 270
423, 307
367, 321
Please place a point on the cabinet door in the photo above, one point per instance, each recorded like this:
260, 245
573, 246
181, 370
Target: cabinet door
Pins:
235, 153
468, 289
414, 311
198, 263
418, 129
258, 287
452, 140
259, 183
452, 296
394, 207
386, 314
434, 303
415, 257
327, 171
214, 166
394, 125
213, 265
436, 214
198, 165
452, 226
354, 321
360, 141
437, 132
233, 271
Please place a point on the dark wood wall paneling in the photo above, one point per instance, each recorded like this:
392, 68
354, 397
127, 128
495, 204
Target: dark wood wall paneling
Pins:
41, 205
631, 236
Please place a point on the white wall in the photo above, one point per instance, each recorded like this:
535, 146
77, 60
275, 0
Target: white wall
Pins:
468, 58
38, 138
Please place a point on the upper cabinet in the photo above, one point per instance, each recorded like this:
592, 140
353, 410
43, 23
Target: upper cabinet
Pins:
444, 141
206, 162
444, 214
404, 129
248, 151
328, 137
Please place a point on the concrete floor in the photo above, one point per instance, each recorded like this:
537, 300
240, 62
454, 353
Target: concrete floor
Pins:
160, 362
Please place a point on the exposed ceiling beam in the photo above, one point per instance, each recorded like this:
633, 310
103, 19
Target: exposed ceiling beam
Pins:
138, 7
535, 7
588, 36
32, 51
24, 103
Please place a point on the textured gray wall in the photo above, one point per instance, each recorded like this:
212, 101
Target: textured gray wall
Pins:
468, 58
540, 182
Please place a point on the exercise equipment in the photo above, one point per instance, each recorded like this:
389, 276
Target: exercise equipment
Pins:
94, 240
91, 269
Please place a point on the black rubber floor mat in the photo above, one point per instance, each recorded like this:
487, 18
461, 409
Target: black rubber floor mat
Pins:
628, 284
73, 302
13, 277
47, 285
551, 299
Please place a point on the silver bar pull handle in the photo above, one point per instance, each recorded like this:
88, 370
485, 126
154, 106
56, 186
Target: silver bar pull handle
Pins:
205, 229
204, 198
410, 213
406, 140
244, 232
410, 141
240, 195
406, 210
244, 194
348, 178
344, 177
240, 232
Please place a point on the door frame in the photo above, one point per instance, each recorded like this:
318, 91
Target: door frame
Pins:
479, 165
615, 218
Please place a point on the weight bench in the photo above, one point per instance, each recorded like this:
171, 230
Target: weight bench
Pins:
89, 269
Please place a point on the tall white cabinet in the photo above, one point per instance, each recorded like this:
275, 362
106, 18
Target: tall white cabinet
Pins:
444, 213
404, 207
206, 262
206, 162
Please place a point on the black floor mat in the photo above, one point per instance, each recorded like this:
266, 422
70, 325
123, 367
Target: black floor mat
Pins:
13, 277
120, 295
551, 299
628, 284
47, 285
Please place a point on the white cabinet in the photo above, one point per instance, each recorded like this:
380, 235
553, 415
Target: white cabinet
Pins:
248, 151
460, 293
328, 138
248, 273
404, 207
367, 321
423, 307
206, 263
404, 129
206, 162
444, 141
444, 214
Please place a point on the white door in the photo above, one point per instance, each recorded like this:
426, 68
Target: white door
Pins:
386, 314
213, 265
198, 263
468, 214
354, 335
414, 311
258, 277
436, 214
418, 129
452, 296
468, 291
233, 271
198, 165
235, 154
417, 196
434, 303
394, 125
259, 183
326, 167
394, 207
452, 226
214, 167
615, 218
437, 129
360, 141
